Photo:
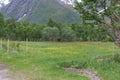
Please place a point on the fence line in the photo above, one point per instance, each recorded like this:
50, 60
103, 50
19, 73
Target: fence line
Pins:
26, 46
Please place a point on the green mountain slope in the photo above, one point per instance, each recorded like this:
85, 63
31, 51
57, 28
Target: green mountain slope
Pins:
39, 11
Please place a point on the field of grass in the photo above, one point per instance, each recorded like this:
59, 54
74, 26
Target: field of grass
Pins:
46, 60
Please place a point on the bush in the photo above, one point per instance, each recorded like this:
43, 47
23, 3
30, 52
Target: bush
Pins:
68, 34
116, 58
50, 34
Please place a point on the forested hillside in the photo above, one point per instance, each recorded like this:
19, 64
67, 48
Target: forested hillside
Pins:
39, 11
51, 31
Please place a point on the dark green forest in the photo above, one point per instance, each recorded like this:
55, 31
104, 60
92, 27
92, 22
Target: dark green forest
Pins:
51, 31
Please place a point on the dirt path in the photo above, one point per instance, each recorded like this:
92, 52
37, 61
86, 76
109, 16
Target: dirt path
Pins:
91, 75
4, 73
7, 74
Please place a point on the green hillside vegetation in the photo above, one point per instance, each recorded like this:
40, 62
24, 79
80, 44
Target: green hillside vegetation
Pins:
52, 31
52, 9
39, 11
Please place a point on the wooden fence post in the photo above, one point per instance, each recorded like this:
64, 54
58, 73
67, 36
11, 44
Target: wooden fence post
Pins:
8, 45
26, 44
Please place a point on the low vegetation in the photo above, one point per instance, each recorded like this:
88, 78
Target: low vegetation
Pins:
47, 60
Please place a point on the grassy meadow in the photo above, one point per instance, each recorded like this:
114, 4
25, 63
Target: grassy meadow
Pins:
47, 60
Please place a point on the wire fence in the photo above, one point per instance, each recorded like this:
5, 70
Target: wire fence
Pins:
26, 46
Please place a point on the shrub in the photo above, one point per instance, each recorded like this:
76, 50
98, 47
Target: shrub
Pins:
68, 34
50, 34
116, 58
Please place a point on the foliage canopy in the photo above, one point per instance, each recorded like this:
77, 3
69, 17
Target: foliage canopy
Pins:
106, 12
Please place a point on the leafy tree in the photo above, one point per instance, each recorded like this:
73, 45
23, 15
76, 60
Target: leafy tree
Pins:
81, 31
1, 28
51, 33
19, 31
10, 27
24, 32
37, 35
85, 32
50, 23
27, 32
68, 34
106, 12
1, 25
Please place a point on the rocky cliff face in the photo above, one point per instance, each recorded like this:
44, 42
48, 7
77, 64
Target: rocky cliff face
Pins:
4, 3
17, 9
70, 2
38, 11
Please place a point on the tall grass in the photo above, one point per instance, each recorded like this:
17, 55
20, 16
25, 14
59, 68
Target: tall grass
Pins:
46, 60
